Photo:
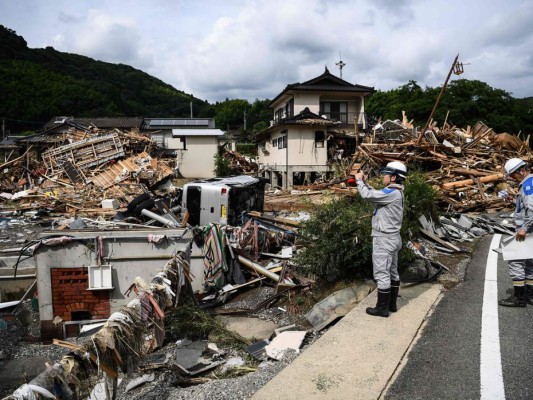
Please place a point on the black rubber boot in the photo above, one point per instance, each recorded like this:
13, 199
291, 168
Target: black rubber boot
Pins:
394, 289
529, 294
382, 307
517, 299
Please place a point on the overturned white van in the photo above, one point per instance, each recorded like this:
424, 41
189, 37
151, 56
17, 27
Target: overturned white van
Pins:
223, 200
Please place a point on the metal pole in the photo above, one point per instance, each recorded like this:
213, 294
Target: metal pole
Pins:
437, 102
158, 218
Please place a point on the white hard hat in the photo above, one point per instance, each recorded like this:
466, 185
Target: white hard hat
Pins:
395, 168
513, 165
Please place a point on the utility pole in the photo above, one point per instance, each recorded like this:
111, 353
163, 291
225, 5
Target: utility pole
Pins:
191, 109
340, 64
458, 70
245, 120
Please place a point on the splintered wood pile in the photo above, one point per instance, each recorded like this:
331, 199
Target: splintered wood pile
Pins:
239, 163
75, 171
465, 166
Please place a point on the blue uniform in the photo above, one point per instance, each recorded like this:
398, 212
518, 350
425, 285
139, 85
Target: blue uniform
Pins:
521, 271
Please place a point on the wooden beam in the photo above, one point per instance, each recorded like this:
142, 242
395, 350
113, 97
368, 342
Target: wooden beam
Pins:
466, 182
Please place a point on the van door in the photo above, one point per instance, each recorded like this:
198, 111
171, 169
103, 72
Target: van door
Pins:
193, 202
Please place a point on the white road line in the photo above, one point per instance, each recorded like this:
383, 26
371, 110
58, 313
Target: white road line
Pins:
491, 378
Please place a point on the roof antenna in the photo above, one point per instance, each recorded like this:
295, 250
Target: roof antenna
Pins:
341, 63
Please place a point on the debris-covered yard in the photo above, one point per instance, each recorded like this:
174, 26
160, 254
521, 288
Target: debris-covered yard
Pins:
130, 296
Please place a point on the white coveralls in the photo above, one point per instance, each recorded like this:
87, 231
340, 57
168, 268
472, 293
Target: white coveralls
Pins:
521, 271
386, 224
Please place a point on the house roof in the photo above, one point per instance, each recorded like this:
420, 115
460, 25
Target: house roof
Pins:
99, 122
185, 123
196, 132
325, 82
41, 137
305, 117
9, 142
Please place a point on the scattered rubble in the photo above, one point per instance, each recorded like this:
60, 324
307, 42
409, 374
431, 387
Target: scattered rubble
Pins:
91, 179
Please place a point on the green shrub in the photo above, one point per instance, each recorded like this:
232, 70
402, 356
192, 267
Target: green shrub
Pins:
420, 198
222, 166
336, 239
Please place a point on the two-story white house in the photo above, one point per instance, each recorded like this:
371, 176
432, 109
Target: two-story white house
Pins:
315, 125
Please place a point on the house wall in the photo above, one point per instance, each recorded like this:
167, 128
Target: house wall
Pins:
198, 159
301, 155
130, 255
303, 100
300, 149
313, 100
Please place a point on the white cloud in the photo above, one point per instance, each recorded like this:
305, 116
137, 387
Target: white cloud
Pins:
254, 48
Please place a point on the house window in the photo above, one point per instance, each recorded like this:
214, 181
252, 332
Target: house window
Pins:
100, 277
274, 143
282, 142
337, 111
279, 114
289, 108
319, 139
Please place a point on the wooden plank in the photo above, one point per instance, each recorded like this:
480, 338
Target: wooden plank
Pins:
284, 221
439, 240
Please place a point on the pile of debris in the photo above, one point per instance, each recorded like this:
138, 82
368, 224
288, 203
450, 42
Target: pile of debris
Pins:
238, 163
73, 172
464, 165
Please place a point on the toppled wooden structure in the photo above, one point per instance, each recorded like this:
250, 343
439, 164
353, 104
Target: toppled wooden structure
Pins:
73, 172
242, 165
464, 165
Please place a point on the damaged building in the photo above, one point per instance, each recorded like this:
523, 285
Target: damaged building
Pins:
315, 125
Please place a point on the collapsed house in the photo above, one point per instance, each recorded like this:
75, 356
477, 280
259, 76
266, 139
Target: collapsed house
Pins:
464, 165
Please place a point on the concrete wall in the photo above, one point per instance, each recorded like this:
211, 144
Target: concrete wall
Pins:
127, 251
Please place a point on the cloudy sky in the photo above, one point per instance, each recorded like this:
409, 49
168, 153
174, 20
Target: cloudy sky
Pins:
218, 49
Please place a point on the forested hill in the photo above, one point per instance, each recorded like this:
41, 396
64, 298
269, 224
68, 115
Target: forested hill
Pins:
38, 84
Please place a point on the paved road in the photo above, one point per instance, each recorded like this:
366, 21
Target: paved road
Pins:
454, 360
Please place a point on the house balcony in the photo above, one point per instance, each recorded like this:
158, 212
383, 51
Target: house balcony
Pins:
346, 118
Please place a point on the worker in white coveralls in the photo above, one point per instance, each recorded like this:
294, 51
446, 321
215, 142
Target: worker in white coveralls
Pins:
521, 271
386, 241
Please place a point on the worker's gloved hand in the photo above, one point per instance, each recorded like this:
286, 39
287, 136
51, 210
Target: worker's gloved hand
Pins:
359, 175
521, 235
